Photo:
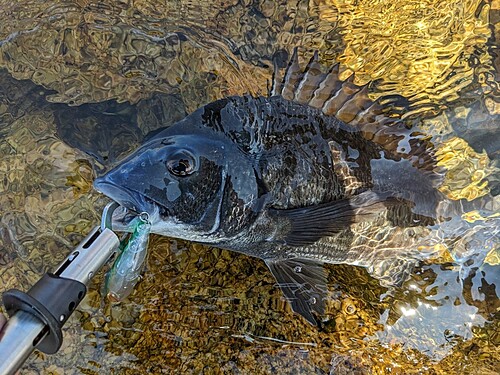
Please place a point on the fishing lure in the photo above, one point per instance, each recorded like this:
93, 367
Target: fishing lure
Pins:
127, 268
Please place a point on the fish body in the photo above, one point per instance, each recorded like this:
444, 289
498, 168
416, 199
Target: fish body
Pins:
315, 173
126, 270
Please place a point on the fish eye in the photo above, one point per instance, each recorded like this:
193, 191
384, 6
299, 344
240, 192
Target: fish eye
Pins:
181, 163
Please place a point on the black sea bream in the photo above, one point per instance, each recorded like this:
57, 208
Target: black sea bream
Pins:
315, 173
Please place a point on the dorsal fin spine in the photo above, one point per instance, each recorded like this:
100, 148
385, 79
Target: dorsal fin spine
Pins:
313, 76
276, 87
358, 103
293, 76
329, 85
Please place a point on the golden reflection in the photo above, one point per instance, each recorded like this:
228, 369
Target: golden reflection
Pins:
473, 216
441, 252
466, 170
492, 106
417, 47
428, 50
493, 257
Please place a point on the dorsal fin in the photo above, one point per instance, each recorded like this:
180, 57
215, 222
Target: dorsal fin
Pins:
311, 79
320, 88
378, 120
293, 75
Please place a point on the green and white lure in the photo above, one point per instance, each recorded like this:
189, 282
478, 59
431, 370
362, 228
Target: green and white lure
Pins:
127, 268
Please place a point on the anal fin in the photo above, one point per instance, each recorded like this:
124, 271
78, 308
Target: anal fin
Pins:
303, 283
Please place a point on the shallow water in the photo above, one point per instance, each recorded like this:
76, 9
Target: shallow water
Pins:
91, 81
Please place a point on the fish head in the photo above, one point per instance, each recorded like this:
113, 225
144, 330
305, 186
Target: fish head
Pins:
191, 185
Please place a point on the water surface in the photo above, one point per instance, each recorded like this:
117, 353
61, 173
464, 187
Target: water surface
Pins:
83, 83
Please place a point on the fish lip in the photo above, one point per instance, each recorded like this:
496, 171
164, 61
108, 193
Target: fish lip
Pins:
130, 199
134, 202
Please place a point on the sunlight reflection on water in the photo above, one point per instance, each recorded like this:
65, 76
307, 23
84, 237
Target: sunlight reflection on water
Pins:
197, 307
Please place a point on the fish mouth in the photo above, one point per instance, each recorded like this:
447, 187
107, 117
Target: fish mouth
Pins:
127, 198
131, 202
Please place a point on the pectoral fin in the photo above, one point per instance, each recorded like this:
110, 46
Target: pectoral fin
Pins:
309, 224
304, 284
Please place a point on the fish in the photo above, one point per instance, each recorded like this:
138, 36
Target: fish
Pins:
315, 172
127, 268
